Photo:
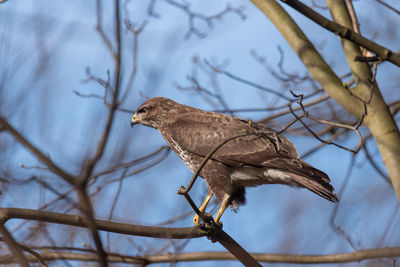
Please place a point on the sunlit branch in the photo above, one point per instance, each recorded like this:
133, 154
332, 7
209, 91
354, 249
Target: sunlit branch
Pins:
383, 52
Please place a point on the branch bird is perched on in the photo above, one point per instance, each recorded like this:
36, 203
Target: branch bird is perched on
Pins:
262, 157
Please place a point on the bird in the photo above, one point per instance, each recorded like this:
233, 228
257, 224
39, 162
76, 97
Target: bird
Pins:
260, 156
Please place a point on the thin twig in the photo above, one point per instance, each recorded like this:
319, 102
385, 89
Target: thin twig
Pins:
209, 20
252, 84
285, 112
135, 32
388, 6
35, 151
323, 122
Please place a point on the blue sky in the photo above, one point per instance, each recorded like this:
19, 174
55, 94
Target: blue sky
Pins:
39, 101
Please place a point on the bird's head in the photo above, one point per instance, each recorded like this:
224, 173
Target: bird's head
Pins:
153, 112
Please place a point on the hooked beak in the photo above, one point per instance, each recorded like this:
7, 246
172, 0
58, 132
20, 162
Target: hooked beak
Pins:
134, 120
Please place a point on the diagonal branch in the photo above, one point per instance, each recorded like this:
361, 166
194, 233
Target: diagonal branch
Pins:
13, 246
35, 151
382, 52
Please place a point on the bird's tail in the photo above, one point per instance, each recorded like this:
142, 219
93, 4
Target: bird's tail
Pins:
315, 180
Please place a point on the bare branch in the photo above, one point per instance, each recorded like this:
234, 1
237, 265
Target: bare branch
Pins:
316, 136
15, 249
86, 207
135, 32
319, 146
335, 124
388, 6
282, 113
383, 52
91, 163
35, 151
113, 227
357, 256
209, 20
284, 76
252, 84
99, 28
132, 162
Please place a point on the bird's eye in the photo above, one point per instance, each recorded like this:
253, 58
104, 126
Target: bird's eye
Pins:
142, 110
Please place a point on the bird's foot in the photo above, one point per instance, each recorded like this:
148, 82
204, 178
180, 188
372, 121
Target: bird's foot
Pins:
197, 219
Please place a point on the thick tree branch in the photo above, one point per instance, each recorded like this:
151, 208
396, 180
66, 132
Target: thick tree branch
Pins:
382, 52
378, 119
113, 227
137, 230
340, 14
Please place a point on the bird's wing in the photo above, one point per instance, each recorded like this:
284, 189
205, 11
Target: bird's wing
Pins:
199, 133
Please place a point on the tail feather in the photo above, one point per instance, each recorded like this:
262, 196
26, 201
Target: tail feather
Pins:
316, 185
292, 172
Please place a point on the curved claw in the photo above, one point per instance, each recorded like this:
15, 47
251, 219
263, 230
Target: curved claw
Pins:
197, 219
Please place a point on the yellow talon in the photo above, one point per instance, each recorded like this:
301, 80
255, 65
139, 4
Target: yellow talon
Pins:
196, 218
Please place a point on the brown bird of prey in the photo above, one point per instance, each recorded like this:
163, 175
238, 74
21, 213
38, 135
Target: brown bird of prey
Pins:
261, 157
